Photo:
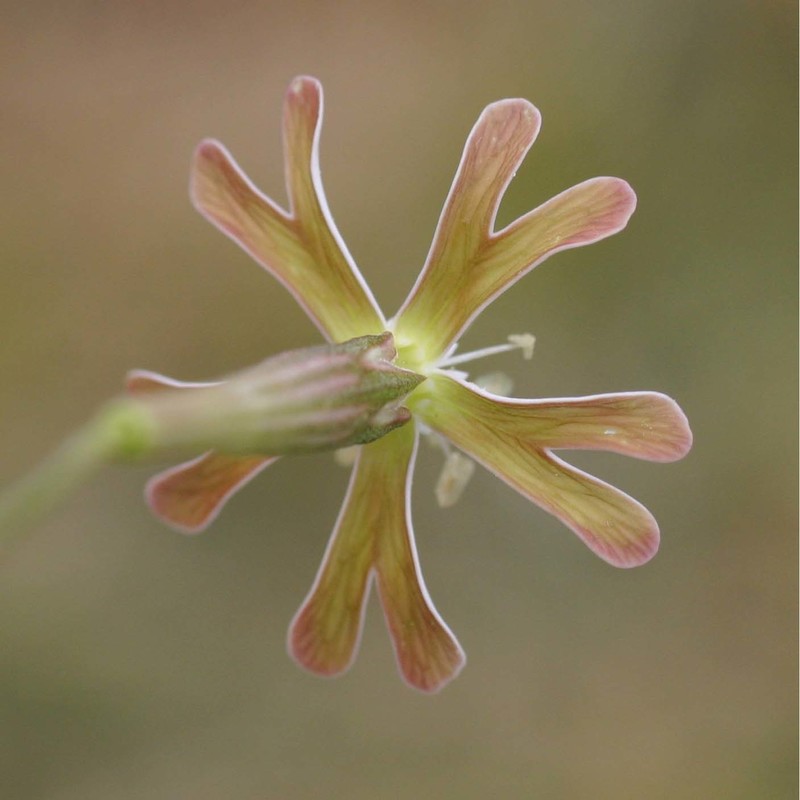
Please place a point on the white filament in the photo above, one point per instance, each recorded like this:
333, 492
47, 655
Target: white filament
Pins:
517, 341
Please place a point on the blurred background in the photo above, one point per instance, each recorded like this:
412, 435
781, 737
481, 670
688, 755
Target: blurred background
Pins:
136, 663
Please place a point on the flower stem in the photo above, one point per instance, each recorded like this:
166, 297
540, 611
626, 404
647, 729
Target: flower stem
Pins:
29, 500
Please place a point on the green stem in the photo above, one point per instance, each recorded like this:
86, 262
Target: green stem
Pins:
29, 500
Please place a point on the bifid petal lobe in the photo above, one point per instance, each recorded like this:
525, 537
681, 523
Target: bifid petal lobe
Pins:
513, 438
469, 263
373, 537
302, 248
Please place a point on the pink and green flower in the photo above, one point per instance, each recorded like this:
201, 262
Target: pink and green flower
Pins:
469, 265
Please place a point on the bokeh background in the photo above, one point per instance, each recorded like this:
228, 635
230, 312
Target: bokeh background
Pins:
136, 663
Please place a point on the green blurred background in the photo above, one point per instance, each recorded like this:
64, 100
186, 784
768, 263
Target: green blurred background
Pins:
136, 663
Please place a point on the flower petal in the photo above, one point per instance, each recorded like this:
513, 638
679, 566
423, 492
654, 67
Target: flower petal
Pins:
373, 533
504, 438
302, 248
469, 265
188, 497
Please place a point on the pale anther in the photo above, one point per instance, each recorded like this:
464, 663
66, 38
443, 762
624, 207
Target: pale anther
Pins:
346, 456
457, 471
525, 342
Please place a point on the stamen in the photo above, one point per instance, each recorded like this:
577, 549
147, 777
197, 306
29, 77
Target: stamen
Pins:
455, 476
346, 456
456, 470
517, 341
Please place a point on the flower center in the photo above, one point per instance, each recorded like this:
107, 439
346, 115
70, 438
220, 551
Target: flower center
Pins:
409, 354
458, 468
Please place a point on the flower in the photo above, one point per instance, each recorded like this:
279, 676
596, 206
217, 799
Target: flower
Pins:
469, 265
